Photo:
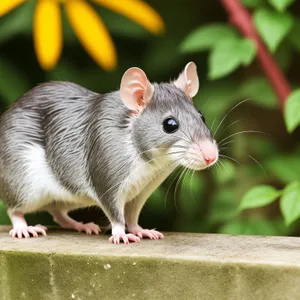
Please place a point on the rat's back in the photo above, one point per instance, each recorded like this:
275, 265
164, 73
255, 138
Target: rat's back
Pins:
32, 131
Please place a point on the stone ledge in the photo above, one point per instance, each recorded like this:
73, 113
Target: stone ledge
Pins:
70, 265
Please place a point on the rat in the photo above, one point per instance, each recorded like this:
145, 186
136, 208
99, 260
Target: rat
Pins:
64, 147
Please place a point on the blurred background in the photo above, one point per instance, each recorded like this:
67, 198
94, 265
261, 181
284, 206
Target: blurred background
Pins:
254, 189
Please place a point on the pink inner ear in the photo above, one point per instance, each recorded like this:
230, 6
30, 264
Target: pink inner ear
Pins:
136, 90
191, 78
188, 80
138, 96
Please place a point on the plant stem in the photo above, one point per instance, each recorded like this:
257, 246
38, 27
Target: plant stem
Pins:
241, 18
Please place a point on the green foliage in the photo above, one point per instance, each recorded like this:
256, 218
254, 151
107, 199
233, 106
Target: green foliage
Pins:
226, 173
224, 207
207, 37
191, 190
281, 5
254, 226
290, 202
292, 111
252, 3
4, 219
294, 35
228, 55
284, 167
272, 26
224, 198
13, 84
18, 22
280, 31
259, 90
259, 196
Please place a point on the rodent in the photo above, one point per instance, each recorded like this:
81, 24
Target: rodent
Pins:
63, 147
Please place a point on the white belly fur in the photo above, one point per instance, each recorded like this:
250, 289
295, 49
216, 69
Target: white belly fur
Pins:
40, 186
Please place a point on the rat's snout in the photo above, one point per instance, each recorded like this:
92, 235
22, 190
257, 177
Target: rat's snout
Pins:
209, 152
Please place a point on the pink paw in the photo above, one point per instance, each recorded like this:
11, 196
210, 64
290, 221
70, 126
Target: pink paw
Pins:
88, 228
126, 238
28, 231
149, 233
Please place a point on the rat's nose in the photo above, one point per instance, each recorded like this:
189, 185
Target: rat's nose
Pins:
209, 159
209, 152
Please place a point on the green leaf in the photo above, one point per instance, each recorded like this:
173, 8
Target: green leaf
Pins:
281, 5
259, 91
292, 111
259, 196
290, 203
229, 55
286, 168
247, 51
272, 26
252, 3
13, 84
206, 37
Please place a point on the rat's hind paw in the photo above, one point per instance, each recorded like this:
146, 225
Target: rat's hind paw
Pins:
28, 231
89, 228
148, 233
123, 237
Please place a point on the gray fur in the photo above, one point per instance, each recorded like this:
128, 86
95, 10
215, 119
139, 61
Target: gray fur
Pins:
85, 137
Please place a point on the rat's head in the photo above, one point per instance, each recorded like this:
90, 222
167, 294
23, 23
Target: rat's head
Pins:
166, 123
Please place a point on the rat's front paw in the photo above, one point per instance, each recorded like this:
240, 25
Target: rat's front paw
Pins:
123, 237
149, 233
28, 231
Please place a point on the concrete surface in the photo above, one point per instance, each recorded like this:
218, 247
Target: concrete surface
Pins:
70, 265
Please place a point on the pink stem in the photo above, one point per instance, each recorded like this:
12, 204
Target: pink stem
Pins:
241, 18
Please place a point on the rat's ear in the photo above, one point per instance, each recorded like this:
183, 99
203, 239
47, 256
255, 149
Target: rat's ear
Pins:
136, 91
188, 80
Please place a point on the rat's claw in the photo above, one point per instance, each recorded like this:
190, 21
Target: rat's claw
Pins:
126, 238
88, 228
149, 233
41, 226
40, 229
28, 231
25, 233
133, 238
34, 233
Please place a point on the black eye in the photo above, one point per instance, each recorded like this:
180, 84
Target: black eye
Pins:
170, 125
202, 117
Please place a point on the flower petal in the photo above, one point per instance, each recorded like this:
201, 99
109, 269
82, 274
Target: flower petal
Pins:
47, 33
8, 5
92, 33
138, 11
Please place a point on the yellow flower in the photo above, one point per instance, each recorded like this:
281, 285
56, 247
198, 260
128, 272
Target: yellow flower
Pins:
87, 25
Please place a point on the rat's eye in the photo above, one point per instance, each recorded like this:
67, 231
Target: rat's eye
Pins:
202, 117
170, 125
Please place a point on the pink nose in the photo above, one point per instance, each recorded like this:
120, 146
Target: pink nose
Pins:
209, 159
209, 152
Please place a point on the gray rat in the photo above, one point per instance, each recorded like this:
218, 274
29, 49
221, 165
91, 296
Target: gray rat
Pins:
63, 147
